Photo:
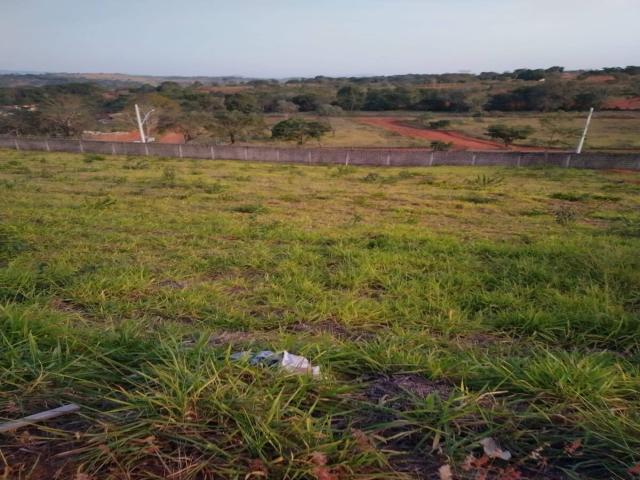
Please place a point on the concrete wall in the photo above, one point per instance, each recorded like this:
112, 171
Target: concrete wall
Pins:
344, 156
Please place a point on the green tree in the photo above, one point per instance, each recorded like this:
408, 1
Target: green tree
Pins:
285, 106
557, 134
299, 130
66, 115
191, 124
509, 134
236, 125
242, 102
350, 98
22, 122
307, 102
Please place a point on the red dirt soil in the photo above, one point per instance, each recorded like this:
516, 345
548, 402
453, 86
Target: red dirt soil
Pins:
632, 103
459, 140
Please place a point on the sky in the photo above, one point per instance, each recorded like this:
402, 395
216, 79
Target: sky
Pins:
291, 38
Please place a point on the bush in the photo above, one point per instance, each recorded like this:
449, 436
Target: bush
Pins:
509, 134
565, 215
439, 146
299, 130
439, 124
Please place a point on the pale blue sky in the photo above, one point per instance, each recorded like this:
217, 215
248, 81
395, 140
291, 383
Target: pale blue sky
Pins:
281, 38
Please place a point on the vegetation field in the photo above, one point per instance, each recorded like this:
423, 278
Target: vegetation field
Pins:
468, 322
610, 131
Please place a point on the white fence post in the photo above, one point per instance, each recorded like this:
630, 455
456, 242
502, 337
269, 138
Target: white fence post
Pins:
81, 147
15, 141
180, 150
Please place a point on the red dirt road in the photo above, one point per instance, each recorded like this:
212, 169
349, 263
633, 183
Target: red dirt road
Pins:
459, 140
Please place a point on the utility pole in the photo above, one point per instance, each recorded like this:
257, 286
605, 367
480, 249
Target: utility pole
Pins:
142, 137
584, 133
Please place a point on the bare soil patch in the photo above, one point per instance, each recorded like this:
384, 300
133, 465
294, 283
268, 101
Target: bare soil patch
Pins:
459, 141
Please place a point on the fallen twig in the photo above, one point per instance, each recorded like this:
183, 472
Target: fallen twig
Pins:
38, 417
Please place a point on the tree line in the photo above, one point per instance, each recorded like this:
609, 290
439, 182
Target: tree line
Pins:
231, 113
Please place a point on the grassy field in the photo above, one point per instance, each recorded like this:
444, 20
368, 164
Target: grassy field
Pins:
444, 306
610, 131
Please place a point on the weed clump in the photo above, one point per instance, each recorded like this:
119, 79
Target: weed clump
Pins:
253, 208
485, 181
565, 215
10, 244
371, 178
169, 177
570, 197
93, 157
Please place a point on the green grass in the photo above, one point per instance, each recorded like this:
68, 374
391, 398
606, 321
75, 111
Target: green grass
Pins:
444, 305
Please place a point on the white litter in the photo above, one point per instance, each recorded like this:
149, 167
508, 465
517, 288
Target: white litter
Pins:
493, 450
286, 361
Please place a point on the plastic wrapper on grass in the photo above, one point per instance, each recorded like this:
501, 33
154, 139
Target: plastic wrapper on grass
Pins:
286, 361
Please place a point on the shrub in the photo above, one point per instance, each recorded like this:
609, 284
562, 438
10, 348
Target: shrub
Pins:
440, 146
299, 130
509, 134
439, 124
168, 178
565, 215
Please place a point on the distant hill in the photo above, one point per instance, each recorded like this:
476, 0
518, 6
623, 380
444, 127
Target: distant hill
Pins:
110, 80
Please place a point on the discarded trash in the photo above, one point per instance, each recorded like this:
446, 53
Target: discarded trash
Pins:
285, 360
445, 472
493, 450
38, 417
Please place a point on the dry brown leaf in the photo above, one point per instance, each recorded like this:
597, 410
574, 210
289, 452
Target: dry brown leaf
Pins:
319, 458
573, 447
509, 473
493, 450
445, 472
469, 463
363, 442
323, 473
257, 469
473, 463
82, 476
